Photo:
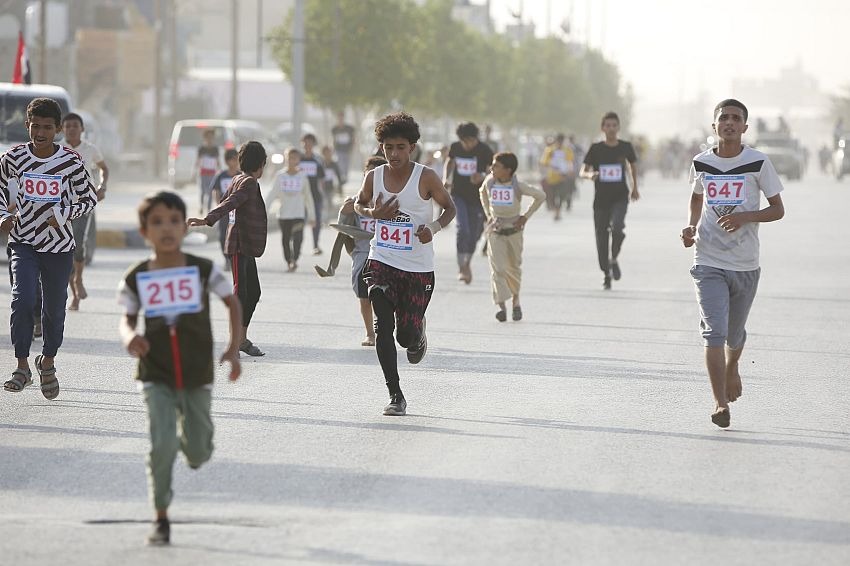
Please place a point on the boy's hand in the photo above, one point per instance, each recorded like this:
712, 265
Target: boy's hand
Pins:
385, 210
53, 222
138, 347
688, 234
7, 224
232, 356
519, 223
424, 234
731, 222
635, 194
348, 206
196, 222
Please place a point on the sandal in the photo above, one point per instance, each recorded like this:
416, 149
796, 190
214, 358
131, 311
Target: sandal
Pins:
20, 379
251, 349
49, 386
517, 313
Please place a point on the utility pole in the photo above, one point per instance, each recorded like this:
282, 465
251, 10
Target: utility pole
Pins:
42, 42
157, 90
298, 70
259, 33
172, 52
234, 60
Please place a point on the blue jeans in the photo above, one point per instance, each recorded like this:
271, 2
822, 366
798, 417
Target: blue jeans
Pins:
470, 225
54, 270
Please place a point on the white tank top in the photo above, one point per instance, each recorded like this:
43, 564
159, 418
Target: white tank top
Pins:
395, 242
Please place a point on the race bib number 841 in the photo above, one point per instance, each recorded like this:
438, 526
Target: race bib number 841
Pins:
170, 292
724, 190
394, 235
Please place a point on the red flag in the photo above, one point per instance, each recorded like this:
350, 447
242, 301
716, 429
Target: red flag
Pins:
22, 63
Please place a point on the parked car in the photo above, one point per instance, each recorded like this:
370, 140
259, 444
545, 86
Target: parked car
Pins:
187, 136
841, 157
784, 152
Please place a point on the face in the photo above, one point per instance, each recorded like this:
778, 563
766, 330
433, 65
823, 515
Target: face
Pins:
611, 127
72, 130
233, 163
308, 145
729, 123
165, 228
209, 137
294, 159
468, 142
500, 171
42, 131
397, 151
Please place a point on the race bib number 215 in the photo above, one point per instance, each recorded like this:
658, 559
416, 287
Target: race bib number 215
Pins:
170, 292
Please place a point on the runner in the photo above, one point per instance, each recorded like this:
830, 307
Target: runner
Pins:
400, 268
501, 196
723, 220
464, 171
176, 351
43, 187
606, 163
558, 162
296, 201
206, 165
220, 187
246, 233
312, 167
73, 128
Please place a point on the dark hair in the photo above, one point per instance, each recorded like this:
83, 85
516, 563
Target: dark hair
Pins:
560, 137
44, 108
610, 116
309, 137
231, 154
507, 159
398, 125
73, 116
373, 162
731, 102
466, 130
252, 156
169, 199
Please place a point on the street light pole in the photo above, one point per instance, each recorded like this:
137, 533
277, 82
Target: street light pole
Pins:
42, 42
234, 60
298, 70
157, 89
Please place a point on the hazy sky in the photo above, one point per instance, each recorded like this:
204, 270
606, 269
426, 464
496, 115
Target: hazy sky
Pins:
669, 50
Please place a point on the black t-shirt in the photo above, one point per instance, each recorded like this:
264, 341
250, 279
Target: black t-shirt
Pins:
209, 159
465, 164
610, 161
315, 171
343, 137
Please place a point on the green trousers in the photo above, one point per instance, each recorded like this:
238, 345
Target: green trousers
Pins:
168, 408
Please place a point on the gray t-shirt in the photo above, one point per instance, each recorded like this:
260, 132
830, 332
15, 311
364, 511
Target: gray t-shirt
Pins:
731, 184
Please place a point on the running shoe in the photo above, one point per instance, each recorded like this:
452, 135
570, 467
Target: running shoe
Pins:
160, 533
606, 283
517, 313
615, 270
501, 315
415, 355
397, 406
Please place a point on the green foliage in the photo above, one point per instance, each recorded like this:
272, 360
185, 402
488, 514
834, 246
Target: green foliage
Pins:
374, 54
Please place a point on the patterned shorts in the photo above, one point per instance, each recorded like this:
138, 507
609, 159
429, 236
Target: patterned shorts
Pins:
410, 292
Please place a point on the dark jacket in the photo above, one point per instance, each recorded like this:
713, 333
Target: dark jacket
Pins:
247, 235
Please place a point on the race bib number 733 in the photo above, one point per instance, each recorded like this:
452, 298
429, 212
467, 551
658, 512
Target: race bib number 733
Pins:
170, 292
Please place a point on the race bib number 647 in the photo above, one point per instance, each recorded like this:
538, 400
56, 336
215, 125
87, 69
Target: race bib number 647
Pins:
170, 292
724, 190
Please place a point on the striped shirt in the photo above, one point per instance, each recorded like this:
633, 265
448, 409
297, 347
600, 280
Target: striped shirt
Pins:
37, 189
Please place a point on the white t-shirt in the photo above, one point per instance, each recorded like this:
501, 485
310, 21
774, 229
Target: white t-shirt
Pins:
91, 157
731, 184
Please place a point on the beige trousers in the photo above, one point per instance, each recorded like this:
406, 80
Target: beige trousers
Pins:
505, 254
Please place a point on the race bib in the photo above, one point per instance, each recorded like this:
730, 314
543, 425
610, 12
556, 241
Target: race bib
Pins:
170, 292
367, 224
225, 183
560, 164
342, 138
309, 168
208, 163
329, 174
231, 217
41, 188
291, 184
395, 234
724, 190
612, 173
502, 195
466, 166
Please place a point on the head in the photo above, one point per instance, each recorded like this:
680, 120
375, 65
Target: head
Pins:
162, 221
340, 117
730, 120
559, 140
231, 158
327, 153
73, 127
308, 142
504, 165
293, 158
467, 133
374, 162
610, 124
44, 117
397, 133
252, 158
209, 136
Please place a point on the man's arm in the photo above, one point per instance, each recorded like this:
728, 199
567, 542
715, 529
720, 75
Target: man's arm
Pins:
234, 200
774, 211
104, 177
689, 232
83, 188
633, 167
448, 167
435, 189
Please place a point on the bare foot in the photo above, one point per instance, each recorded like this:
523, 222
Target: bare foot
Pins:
81, 291
369, 341
734, 389
75, 304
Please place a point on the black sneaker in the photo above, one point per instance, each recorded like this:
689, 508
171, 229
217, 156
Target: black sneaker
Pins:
397, 406
606, 283
251, 349
160, 533
615, 270
415, 355
501, 316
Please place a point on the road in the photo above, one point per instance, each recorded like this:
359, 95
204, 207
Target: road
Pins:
580, 435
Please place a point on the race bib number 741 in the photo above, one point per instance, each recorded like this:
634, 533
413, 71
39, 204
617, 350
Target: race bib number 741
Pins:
170, 292
724, 190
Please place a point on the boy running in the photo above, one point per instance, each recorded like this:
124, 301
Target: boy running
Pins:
606, 163
724, 214
43, 187
400, 268
176, 352
296, 200
206, 165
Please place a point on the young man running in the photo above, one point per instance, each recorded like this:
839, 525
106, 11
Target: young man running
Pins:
400, 268
606, 163
73, 128
724, 214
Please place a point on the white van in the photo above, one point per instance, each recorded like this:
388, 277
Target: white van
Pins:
14, 99
187, 136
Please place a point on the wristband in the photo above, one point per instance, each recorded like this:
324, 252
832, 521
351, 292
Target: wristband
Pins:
434, 226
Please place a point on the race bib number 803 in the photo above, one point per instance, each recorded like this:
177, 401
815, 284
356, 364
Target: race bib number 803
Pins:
170, 292
41, 188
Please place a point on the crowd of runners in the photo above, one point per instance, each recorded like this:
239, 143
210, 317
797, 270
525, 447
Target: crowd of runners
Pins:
47, 191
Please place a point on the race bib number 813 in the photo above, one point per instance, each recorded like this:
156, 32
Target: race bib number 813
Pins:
502, 195
170, 292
